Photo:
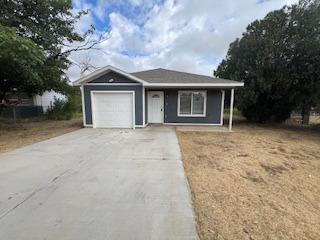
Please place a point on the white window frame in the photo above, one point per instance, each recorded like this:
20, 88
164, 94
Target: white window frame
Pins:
192, 115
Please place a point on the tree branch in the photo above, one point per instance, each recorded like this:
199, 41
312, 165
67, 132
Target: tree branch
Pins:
89, 44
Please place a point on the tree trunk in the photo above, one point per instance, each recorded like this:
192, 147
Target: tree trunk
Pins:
306, 109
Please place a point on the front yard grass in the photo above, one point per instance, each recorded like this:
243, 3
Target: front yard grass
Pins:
258, 182
29, 131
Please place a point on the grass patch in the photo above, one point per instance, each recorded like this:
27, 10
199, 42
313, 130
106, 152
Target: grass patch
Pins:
258, 182
29, 131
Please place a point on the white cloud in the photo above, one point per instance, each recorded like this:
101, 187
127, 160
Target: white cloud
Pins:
188, 35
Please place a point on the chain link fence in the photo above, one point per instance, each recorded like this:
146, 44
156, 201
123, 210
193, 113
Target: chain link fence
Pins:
16, 112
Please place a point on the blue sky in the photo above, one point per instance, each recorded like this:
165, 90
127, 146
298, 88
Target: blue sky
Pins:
186, 35
126, 8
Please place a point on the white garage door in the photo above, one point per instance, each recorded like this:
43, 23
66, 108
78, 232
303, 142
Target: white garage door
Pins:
112, 109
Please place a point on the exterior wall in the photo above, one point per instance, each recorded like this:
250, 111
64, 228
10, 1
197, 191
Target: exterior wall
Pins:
213, 104
46, 100
117, 78
213, 108
138, 99
19, 99
146, 105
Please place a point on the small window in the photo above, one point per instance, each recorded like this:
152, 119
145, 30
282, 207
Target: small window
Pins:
192, 103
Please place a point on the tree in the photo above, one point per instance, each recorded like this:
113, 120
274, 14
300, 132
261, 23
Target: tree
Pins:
85, 65
304, 46
21, 63
278, 60
50, 24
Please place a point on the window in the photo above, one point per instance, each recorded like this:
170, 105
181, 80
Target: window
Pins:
192, 103
185, 103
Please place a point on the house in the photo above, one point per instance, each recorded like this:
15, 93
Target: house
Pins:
113, 98
47, 98
22, 105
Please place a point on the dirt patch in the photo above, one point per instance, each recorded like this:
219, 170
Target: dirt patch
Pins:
274, 170
26, 132
254, 183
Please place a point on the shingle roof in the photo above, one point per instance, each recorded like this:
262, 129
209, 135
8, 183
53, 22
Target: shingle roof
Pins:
161, 75
163, 78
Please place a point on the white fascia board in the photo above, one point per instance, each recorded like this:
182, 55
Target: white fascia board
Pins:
104, 70
113, 84
240, 84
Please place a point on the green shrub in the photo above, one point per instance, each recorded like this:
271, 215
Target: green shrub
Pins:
62, 109
76, 97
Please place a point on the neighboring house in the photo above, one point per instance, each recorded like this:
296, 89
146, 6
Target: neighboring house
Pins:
46, 100
113, 98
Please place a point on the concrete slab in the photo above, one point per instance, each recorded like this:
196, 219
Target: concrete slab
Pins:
200, 128
97, 184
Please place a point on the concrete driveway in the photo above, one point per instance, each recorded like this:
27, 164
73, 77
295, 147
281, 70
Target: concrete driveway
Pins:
97, 184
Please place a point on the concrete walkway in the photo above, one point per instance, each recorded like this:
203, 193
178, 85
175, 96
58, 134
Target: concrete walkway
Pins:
97, 184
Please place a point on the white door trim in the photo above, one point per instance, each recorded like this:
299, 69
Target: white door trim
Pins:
112, 92
161, 93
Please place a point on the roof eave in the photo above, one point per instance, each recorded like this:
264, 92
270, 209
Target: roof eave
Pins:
212, 85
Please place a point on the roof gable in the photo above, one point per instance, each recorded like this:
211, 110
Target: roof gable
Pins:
112, 77
102, 71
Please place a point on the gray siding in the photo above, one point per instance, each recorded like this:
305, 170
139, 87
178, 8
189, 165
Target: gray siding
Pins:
213, 109
117, 79
146, 105
112, 75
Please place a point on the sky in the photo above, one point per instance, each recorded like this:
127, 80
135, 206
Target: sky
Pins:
185, 35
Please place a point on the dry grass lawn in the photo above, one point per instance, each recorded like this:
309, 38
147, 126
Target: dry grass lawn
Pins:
254, 183
26, 132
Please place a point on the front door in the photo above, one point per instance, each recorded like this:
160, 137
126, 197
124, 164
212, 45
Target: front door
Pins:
155, 107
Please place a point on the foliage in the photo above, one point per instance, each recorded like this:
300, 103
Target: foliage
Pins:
75, 95
50, 24
65, 109
278, 58
21, 63
62, 109
305, 51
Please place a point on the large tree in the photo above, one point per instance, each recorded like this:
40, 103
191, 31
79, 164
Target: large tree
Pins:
304, 46
21, 63
278, 58
50, 24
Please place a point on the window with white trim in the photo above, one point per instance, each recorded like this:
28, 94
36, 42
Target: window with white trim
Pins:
192, 103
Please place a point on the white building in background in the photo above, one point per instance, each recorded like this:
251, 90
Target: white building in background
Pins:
46, 100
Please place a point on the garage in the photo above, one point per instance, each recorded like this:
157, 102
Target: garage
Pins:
113, 109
